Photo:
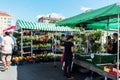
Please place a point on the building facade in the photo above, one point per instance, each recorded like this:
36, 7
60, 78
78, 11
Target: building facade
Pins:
5, 21
49, 19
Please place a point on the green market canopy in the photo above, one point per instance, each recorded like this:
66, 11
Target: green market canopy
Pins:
105, 24
41, 26
106, 17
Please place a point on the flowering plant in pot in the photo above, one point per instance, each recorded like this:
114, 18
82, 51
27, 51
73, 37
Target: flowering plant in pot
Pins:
14, 60
37, 58
31, 60
17, 60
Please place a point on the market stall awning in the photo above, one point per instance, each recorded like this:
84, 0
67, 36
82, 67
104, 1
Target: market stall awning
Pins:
105, 24
97, 15
41, 26
11, 28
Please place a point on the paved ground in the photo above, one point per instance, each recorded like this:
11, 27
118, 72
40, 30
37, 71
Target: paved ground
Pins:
10, 74
41, 71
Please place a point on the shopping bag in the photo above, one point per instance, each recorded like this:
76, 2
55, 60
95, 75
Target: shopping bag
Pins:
62, 57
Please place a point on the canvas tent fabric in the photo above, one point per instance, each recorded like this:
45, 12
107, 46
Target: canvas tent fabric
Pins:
11, 28
105, 24
103, 16
41, 26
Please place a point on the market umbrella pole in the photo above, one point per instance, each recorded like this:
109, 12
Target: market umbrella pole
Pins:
107, 33
54, 52
118, 48
21, 43
87, 42
80, 36
31, 44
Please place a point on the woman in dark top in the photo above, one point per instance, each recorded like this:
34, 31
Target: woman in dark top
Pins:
68, 55
108, 45
115, 43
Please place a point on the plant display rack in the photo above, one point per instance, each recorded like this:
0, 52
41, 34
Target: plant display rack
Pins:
35, 42
42, 42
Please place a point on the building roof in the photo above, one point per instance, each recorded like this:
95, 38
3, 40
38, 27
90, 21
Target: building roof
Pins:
4, 14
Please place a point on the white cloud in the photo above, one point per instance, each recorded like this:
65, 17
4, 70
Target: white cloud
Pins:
53, 15
85, 9
40, 16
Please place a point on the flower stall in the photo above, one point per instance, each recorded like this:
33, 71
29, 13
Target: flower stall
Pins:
103, 18
35, 40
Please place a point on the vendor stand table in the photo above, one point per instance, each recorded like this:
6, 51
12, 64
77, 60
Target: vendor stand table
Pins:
91, 67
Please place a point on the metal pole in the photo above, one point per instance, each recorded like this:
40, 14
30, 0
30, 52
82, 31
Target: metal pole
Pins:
21, 43
107, 34
118, 49
80, 37
31, 43
87, 42
101, 41
53, 47
55, 51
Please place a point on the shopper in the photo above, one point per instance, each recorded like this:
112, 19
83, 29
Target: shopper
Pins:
88, 48
0, 43
115, 43
63, 39
7, 43
68, 56
108, 45
14, 47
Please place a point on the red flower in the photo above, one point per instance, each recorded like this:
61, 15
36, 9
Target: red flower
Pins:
31, 59
36, 55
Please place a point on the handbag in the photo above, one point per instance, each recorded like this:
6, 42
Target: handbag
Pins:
62, 57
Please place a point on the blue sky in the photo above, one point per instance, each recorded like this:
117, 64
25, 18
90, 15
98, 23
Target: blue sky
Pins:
29, 9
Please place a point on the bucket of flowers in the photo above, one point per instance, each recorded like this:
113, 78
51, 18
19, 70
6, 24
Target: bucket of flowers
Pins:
31, 60
17, 60
50, 57
37, 58
26, 60
14, 61
20, 61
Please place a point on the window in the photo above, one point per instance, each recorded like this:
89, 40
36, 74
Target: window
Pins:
9, 22
4, 18
9, 18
